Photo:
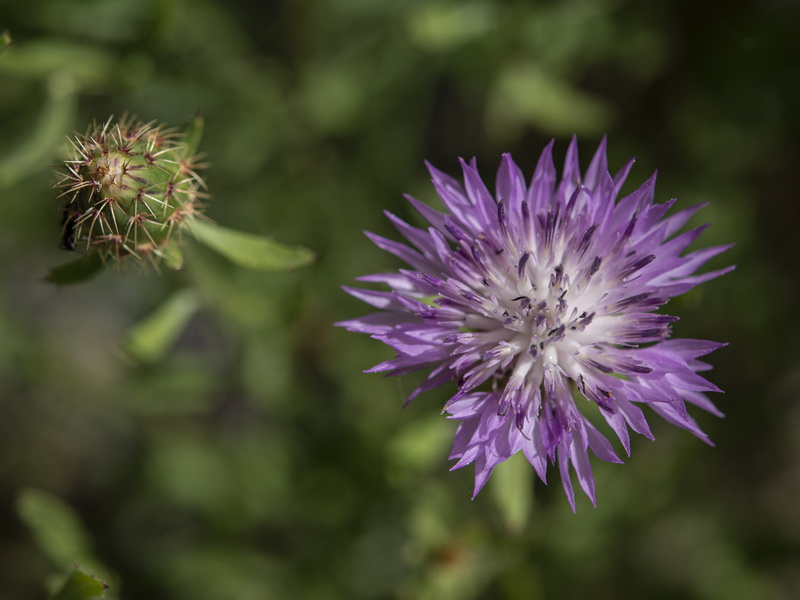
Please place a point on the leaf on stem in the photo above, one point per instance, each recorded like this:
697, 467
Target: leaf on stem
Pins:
81, 586
192, 135
248, 250
76, 271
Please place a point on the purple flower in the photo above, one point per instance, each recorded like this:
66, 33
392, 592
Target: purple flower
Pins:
540, 302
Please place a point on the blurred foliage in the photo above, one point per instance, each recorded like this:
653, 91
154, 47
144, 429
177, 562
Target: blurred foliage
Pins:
58, 530
244, 455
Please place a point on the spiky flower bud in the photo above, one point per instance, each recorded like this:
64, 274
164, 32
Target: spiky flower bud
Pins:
129, 188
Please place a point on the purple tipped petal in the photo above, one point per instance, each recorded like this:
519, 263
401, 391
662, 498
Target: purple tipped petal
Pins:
571, 175
510, 183
598, 167
563, 467
483, 204
374, 324
540, 192
382, 300
599, 445
420, 238
680, 218
580, 461
622, 175
432, 216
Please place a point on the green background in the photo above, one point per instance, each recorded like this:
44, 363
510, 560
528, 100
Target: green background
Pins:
253, 459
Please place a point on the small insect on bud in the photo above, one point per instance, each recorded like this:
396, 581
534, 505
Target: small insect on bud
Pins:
128, 187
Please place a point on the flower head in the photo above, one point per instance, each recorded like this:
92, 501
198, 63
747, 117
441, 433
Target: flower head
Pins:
540, 302
128, 187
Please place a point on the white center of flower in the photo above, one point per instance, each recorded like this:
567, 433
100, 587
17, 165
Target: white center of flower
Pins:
528, 320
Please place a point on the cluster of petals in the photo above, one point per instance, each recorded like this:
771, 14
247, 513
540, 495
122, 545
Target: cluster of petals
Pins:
540, 302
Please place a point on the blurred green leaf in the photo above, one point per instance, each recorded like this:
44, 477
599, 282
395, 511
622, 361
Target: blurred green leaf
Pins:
191, 469
528, 94
334, 94
76, 271
104, 21
443, 26
248, 250
421, 444
512, 490
37, 150
223, 571
58, 530
150, 339
190, 383
38, 59
81, 586
5, 41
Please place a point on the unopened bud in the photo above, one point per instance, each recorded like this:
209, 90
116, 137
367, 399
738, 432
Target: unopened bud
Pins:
129, 187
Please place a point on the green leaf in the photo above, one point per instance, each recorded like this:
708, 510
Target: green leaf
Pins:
76, 271
512, 490
81, 586
192, 135
149, 340
172, 256
248, 250
57, 529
